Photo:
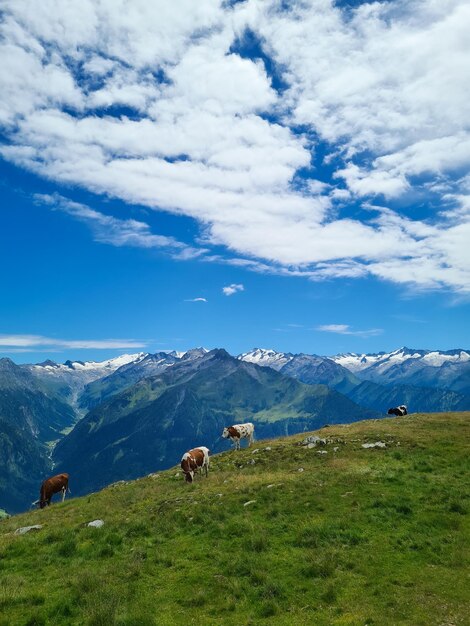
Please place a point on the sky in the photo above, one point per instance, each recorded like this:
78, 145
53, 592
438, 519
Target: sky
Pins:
289, 175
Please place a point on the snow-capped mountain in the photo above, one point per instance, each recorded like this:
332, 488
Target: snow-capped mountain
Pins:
419, 368
383, 361
267, 358
96, 368
131, 373
308, 368
67, 380
426, 368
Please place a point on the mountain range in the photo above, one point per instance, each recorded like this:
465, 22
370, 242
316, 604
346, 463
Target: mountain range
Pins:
124, 417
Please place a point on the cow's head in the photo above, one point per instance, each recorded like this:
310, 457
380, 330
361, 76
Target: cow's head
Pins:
188, 476
42, 504
226, 433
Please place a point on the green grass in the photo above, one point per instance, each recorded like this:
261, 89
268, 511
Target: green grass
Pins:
376, 537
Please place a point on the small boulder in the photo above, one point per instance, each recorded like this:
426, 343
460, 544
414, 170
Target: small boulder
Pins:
97, 523
301, 469
27, 529
377, 444
322, 452
268, 448
315, 440
255, 451
249, 502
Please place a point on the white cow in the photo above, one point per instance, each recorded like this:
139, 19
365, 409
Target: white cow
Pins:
239, 431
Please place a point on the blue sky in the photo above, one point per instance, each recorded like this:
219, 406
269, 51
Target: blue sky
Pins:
286, 175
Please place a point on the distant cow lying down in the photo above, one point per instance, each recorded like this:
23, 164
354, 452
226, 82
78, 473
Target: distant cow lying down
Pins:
239, 431
398, 411
50, 486
193, 461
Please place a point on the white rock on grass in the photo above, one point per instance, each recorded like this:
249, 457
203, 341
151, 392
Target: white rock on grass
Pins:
313, 439
301, 469
27, 529
322, 452
377, 444
97, 523
255, 451
268, 448
249, 502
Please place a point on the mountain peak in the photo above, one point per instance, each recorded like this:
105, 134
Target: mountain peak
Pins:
47, 363
220, 353
194, 353
7, 364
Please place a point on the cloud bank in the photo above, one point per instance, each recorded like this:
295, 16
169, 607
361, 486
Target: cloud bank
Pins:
305, 138
26, 342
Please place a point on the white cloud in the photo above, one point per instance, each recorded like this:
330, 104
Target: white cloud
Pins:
196, 300
205, 134
345, 329
117, 232
36, 341
233, 288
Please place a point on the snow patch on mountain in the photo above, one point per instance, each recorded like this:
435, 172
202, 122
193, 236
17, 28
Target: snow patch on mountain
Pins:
266, 358
88, 366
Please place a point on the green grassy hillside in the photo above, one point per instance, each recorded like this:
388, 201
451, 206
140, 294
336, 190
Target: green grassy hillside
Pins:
360, 536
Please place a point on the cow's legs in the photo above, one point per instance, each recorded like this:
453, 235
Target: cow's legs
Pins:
63, 493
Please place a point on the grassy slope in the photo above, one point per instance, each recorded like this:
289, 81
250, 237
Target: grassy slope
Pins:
359, 537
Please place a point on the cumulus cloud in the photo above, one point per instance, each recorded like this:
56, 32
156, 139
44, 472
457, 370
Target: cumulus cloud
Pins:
166, 109
233, 288
25, 342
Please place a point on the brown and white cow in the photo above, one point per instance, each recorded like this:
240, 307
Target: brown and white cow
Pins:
53, 485
239, 431
195, 460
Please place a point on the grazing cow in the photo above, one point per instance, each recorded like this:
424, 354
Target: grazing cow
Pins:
399, 411
194, 460
239, 431
53, 485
